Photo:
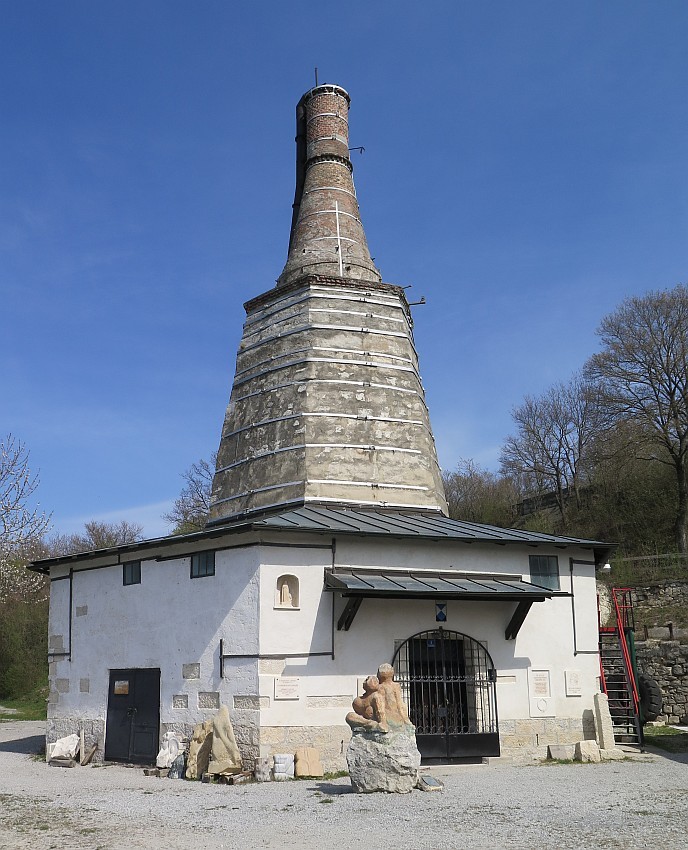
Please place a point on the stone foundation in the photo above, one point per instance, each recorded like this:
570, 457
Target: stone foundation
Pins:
330, 741
94, 732
533, 736
517, 737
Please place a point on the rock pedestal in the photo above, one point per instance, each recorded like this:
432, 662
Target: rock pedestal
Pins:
384, 762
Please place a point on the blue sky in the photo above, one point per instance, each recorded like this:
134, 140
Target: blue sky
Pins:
526, 168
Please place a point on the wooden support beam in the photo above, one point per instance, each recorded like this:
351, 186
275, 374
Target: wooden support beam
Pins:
347, 616
517, 619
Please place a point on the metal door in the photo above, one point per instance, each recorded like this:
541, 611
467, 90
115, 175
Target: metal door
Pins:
133, 716
449, 684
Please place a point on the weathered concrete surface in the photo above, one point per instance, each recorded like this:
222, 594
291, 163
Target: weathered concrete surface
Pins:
327, 404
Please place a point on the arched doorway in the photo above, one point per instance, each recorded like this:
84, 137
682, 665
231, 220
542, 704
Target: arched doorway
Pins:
449, 684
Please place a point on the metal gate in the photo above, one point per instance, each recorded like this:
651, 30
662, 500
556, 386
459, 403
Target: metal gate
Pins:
449, 684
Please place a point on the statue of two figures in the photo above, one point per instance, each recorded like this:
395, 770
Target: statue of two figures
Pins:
382, 753
381, 705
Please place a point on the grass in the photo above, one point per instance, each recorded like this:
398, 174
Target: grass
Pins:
31, 707
667, 738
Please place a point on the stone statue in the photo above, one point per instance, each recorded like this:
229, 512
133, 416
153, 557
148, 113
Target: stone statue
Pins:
377, 763
225, 756
169, 750
199, 750
390, 707
366, 712
285, 594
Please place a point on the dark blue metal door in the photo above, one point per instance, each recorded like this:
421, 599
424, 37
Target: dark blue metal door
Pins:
133, 716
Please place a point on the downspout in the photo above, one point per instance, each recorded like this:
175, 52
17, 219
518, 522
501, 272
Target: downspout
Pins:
332, 627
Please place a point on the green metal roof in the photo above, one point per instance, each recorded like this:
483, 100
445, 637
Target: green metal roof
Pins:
410, 524
322, 519
415, 584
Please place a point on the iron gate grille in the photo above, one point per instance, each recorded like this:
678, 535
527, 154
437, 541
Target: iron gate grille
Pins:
449, 684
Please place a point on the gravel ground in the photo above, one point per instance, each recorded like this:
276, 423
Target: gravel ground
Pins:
638, 803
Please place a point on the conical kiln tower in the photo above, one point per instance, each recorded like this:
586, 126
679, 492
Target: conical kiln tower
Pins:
327, 404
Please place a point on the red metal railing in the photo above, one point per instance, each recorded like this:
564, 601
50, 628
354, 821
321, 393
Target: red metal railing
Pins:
623, 609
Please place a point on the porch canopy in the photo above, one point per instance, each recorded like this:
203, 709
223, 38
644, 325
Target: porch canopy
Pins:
357, 585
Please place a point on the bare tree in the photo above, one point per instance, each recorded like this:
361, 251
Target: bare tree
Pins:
21, 526
192, 507
642, 372
555, 432
96, 535
475, 494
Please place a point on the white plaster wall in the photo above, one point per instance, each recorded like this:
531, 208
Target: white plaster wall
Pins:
165, 622
545, 641
170, 620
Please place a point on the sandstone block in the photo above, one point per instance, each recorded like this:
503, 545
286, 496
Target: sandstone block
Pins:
307, 762
587, 751
604, 729
561, 752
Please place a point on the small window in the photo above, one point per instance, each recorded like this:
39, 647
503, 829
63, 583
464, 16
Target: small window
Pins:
131, 572
544, 570
202, 564
287, 592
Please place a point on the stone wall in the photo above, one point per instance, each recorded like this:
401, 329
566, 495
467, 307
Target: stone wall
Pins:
662, 594
533, 736
667, 662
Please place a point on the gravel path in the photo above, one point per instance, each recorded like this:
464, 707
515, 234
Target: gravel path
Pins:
638, 803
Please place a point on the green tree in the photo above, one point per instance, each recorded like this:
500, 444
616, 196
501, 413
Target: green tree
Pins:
642, 372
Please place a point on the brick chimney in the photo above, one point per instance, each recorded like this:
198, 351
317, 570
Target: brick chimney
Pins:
327, 236
327, 405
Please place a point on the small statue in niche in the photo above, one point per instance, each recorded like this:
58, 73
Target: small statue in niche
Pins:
285, 594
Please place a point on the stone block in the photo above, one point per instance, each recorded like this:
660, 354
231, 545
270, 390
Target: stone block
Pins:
84, 686
283, 767
81, 610
209, 699
604, 729
561, 752
180, 701
307, 762
587, 751
191, 671
62, 686
387, 762
612, 754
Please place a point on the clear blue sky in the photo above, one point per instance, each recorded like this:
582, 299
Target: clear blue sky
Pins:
526, 168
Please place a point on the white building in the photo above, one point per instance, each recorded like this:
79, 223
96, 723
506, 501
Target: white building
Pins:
328, 549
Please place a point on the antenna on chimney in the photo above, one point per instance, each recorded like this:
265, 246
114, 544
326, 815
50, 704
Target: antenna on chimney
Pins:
316, 76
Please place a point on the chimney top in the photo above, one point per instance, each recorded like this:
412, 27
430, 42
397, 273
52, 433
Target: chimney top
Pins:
327, 236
